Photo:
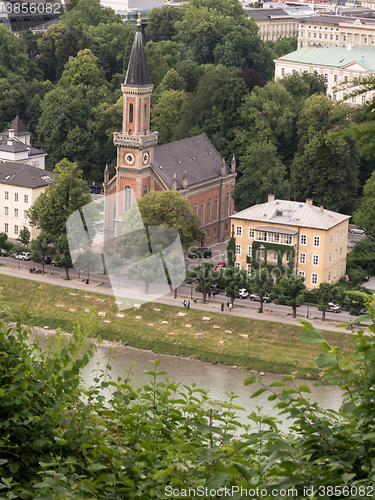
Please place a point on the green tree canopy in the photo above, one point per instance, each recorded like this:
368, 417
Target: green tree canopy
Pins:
13, 58
24, 236
41, 247
161, 23
261, 283
324, 168
89, 13
156, 63
203, 276
68, 193
289, 291
82, 70
166, 115
364, 218
305, 84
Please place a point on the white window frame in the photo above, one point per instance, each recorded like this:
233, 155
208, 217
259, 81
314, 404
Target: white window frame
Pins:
16, 230
16, 212
340, 269
6, 210
330, 257
238, 249
342, 232
315, 259
251, 232
314, 278
26, 198
302, 258
6, 228
331, 238
237, 265
6, 194
238, 230
341, 250
301, 273
303, 239
25, 216
316, 241
15, 196
248, 269
329, 276
249, 250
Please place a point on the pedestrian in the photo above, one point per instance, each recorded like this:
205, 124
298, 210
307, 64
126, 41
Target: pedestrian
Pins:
222, 307
230, 306
185, 303
188, 304
209, 294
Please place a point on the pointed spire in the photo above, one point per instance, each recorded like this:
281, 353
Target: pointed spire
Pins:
174, 183
106, 173
223, 168
233, 165
185, 180
137, 74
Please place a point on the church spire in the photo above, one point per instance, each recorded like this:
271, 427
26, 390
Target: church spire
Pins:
137, 74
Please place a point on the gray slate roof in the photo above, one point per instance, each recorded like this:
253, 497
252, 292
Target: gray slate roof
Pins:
18, 127
265, 14
17, 146
293, 213
177, 157
23, 175
137, 74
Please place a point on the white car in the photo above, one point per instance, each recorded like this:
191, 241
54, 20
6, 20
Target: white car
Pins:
22, 256
357, 231
335, 308
243, 293
266, 297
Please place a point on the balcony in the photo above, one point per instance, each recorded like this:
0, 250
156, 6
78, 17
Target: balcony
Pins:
135, 141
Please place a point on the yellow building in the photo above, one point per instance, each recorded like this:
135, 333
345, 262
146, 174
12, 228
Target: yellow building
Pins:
292, 238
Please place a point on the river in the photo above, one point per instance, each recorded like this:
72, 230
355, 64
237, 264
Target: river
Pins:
217, 379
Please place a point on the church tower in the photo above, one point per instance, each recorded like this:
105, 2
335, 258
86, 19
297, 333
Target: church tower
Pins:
135, 143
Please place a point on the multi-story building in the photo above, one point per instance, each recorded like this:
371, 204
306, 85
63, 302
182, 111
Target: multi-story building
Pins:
292, 237
274, 23
337, 64
336, 31
20, 186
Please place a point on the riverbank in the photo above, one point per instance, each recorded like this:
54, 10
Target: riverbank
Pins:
223, 338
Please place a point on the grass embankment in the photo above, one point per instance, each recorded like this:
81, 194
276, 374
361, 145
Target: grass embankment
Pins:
269, 347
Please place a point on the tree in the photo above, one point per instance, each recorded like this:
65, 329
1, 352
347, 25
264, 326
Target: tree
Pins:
232, 280
63, 259
166, 209
13, 59
289, 291
41, 248
363, 255
231, 249
89, 13
148, 269
4, 243
262, 173
283, 46
82, 70
161, 23
355, 300
252, 78
24, 236
166, 115
324, 168
88, 262
261, 283
115, 267
327, 293
203, 276
157, 66
68, 193
364, 218
305, 84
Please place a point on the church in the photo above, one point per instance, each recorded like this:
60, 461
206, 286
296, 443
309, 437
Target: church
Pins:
191, 166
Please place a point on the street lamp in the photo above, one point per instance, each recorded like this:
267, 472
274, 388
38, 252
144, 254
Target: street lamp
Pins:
191, 292
308, 303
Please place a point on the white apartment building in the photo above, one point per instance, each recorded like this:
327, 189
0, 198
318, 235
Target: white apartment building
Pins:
20, 186
336, 31
337, 64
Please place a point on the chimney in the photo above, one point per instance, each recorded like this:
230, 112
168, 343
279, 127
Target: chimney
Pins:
271, 197
184, 180
309, 201
11, 133
9, 142
233, 165
174, 183
223, 168
106, 173
349, 46
321, 208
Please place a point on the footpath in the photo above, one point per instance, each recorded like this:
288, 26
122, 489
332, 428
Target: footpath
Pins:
239, 309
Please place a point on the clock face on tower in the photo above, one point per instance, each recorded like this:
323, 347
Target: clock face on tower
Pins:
129, 158
145, 158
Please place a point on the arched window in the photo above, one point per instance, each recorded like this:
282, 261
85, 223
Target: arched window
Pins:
146, 112
227, 205
130, 132
127, 198
131, 112
209, 210
145, 190
215, 208
195, 209
202, 212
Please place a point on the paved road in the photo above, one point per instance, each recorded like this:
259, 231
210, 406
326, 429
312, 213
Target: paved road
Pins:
243, 308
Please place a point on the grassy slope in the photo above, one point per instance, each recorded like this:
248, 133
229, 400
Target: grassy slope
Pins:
270, 347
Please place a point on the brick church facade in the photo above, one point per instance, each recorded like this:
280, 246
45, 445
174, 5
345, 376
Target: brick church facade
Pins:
191, 166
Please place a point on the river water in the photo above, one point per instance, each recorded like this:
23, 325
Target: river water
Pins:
217, 379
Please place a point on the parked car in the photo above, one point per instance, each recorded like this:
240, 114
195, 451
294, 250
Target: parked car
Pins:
243, 293
220, 265
335, 308
363, 311
214, 289
355, 230
3, 253
200, 253
254, 296
22, 256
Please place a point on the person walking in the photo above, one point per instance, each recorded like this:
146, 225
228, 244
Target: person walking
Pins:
185, 303
222, 307
188, 304
230, 306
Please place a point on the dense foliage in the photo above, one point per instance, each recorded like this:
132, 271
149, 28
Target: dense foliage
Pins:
59, 441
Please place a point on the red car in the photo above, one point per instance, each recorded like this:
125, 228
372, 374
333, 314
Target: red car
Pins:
220, 265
